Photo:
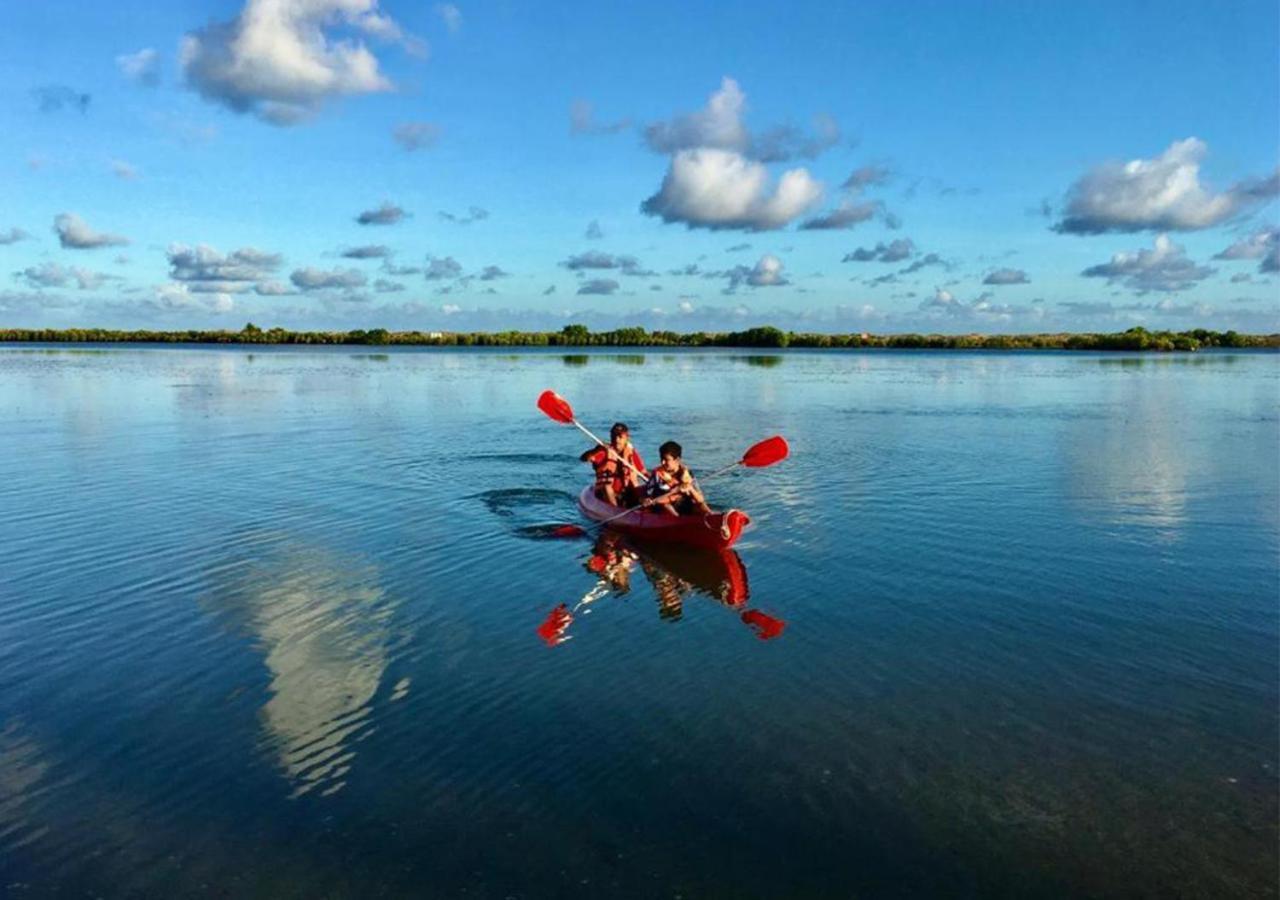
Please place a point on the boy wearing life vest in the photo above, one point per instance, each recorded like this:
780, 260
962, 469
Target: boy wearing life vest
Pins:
671, 488
616, 481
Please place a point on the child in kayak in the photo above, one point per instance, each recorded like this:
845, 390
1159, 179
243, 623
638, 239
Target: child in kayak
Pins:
616, 482
671, 488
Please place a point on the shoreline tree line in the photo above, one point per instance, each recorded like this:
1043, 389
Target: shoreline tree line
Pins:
576, 335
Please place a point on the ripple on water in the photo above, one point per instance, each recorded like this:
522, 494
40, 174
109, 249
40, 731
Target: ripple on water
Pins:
273, 622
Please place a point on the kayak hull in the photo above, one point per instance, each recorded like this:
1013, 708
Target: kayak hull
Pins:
718, 531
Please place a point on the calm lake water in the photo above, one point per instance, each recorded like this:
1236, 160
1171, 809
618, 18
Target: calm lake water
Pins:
269, 626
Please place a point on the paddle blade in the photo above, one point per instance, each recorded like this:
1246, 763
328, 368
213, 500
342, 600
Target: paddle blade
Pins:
766, 453
765, 626
556, 407
555, 625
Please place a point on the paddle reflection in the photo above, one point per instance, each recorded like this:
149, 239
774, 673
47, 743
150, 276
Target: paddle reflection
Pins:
675, 574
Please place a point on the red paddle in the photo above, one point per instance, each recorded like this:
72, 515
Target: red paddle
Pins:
765, 453
558, 409
765, 626
555, 625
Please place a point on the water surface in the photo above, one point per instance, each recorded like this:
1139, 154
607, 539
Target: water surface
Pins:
270, 626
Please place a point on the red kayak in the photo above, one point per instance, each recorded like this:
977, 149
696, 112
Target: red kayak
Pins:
717, 531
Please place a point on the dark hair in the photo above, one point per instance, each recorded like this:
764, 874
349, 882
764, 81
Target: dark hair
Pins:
619, 428
671, 448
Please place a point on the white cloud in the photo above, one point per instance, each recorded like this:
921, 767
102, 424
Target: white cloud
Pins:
596, 259
52, 274
451, 16
1165, 267
848, 214
717, 178
142, 67
767, 272
416, 135
943, 301
273, 289
1160, 194
368, 251
721, 189
1263, 244
282, 60
178, 297
1255, 246
718, 125
867, 176
603, 286
1007, 276
386, 214
473, 214
12, 236
784, 142
443, 268
124, 170
582, 120
929, 259
52, 98
1167, 307
203, 270
895, 251
75, 234
310, 279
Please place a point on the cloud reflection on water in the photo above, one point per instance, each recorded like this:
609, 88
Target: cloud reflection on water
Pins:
322, 621
1135, 469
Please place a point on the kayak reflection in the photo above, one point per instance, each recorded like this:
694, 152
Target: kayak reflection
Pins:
675, 574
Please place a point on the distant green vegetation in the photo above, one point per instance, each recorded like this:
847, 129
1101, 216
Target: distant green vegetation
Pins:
580, 336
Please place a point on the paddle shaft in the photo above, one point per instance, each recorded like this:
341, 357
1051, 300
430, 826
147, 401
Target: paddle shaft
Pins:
669, 493
626, 462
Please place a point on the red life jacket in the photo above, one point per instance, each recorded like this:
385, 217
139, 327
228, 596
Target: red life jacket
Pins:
612, 472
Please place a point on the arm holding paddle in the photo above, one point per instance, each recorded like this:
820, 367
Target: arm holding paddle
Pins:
557, 408
686, 488
765, 453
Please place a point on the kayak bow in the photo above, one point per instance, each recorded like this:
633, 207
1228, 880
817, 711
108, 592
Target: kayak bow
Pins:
718, 531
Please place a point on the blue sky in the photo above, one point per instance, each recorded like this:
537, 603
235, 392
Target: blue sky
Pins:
946, 167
